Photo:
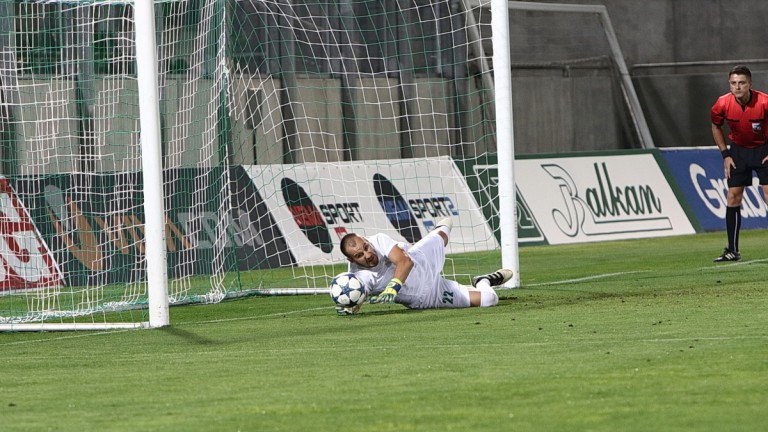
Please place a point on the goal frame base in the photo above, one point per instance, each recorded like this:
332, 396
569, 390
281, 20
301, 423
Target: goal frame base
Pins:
42, 327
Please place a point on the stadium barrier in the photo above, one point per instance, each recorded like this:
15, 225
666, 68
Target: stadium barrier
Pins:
572, 198
600, 196
698, 172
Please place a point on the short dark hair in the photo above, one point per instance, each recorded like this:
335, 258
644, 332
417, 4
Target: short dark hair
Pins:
741, 70
345, 241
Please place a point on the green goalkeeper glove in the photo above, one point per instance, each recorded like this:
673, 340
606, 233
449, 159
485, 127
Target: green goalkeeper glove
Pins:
389, 293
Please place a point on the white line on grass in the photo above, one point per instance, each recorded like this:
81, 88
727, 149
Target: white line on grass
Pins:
706, 338
733, 264
89, 334
584, 279
262, 316
70, 336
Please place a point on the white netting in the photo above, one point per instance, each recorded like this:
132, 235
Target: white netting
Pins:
284, 124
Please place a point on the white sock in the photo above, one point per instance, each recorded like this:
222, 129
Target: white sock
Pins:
483, 284
488, 296
445, 225
445, 229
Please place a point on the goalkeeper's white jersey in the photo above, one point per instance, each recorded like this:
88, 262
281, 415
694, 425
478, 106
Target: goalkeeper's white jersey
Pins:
424, 287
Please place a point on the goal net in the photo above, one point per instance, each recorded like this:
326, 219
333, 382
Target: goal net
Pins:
566, 60
283, 125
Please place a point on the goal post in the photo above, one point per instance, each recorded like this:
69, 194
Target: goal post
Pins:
506, 139
152, 163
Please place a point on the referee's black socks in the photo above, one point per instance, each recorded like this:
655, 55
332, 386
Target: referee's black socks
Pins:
733, 225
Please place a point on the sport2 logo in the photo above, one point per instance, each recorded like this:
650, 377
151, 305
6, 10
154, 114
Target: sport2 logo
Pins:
403, 214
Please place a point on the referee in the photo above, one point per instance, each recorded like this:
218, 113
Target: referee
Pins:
746, 112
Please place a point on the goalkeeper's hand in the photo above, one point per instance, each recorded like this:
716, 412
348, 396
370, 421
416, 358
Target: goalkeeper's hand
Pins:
389, 293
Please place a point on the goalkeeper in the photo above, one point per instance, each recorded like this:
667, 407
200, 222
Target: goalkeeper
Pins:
396, 272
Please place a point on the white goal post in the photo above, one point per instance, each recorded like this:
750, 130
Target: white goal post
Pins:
510, 254
152, 163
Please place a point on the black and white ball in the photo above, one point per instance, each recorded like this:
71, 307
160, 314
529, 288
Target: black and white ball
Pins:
347, 290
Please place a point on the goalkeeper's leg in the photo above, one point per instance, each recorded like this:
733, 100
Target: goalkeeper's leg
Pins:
444, 229
483, 295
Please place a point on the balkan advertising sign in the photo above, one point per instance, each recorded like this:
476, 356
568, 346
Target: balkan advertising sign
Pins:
700, 175
316, 204
600, 197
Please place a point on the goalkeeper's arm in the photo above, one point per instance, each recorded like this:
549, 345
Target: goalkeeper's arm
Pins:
389, 293
403, 265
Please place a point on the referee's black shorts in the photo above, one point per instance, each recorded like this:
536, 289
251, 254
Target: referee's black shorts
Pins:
748, 160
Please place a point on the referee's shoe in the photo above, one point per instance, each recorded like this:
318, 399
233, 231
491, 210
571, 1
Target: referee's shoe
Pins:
728, 255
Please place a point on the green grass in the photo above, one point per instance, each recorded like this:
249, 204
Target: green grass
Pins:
645, 335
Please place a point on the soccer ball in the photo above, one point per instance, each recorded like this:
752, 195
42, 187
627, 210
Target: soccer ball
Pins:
347, 290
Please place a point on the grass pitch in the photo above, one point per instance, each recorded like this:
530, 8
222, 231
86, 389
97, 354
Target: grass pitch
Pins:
644, 335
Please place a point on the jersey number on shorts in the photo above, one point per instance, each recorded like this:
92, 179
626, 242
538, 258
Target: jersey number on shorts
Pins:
447, 297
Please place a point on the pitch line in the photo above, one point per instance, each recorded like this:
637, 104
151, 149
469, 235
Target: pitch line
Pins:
71, 336
733, 264
277, 314
91, 334
709, 338
584, 279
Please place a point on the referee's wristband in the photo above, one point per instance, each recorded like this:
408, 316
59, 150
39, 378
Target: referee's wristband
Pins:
726, 153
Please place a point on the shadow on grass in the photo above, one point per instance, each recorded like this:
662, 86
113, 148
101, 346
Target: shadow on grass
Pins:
188, 336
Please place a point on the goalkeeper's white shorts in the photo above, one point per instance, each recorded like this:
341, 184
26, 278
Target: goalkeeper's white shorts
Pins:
425, 288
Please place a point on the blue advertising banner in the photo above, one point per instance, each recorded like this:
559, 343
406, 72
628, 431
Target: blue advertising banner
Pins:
699, 174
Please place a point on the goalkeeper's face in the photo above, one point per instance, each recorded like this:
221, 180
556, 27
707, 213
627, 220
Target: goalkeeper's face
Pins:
361, 252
